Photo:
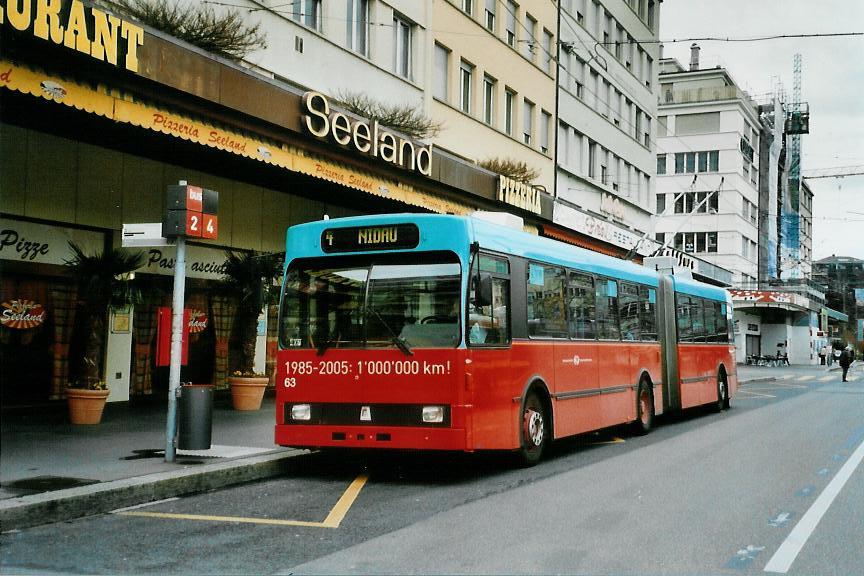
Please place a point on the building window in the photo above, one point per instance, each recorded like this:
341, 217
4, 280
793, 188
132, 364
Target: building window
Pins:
442, 63
468, 7
489, 19
592, 159
489, 84
661, 203
511, 23
509, 103
531, 37
307, 12
661, 164
527, 122
402, 49
548, 50
545, 121
466, 72
358, 26
679, 163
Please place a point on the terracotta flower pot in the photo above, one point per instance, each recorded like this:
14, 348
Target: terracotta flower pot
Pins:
85, 406
247, 392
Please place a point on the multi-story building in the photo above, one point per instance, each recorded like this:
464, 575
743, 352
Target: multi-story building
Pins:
723, 194
606, 122
843, 281
707, 200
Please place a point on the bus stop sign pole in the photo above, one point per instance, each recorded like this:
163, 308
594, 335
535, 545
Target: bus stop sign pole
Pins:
176, 348
191, 212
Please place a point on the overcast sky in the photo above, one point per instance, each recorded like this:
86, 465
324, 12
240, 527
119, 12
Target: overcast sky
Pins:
832, 83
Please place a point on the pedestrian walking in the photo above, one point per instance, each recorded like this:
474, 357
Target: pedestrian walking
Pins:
823, 352
846, 357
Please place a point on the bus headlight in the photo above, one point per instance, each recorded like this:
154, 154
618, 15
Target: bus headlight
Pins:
433, 414
301, 412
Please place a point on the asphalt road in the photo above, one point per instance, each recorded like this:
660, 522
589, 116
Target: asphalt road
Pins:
774, 482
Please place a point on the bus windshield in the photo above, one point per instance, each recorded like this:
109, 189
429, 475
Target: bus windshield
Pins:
373, 301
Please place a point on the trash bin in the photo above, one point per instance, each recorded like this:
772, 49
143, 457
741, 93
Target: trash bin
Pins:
196, 417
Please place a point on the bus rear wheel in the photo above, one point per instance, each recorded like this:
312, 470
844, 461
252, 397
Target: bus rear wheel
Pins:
722, 393
644, 409
533, 430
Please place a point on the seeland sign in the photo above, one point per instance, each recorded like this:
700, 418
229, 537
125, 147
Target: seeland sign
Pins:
319, 120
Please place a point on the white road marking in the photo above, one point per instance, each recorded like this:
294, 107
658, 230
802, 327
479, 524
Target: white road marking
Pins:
826, 378
137, 506
805, 378
791, 547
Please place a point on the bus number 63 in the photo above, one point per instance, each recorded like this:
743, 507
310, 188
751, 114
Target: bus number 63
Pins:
290, 382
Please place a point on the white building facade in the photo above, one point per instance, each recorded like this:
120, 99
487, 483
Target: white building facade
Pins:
707, 200
607, 81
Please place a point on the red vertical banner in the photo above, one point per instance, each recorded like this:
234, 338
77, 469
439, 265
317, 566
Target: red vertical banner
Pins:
163, 337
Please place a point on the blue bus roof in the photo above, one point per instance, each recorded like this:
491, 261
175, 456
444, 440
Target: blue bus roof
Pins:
457, 233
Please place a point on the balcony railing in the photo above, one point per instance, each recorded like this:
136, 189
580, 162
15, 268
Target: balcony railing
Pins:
707, 94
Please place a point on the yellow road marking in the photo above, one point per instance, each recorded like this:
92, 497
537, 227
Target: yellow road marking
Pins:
333, 520
614, 440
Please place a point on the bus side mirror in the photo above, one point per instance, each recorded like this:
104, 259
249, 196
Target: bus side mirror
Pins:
483, 295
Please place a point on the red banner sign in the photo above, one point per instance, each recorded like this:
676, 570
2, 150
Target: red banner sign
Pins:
22, 314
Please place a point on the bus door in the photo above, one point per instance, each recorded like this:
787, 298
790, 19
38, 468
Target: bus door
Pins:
576, 361
614, 374
667, 329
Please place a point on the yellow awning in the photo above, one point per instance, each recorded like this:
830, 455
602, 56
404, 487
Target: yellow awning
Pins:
124, 108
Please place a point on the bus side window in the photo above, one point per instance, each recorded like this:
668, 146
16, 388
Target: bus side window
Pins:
710, 321
607, 309
648, 313
489, 302
547, 315
580, 301
698, 314
722, 322
628, 307
685, 322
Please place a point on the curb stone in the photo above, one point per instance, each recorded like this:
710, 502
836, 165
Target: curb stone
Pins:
72, 503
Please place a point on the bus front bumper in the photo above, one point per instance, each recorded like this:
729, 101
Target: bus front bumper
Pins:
394, 437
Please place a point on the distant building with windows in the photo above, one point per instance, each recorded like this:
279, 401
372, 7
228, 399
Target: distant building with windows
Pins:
707, 199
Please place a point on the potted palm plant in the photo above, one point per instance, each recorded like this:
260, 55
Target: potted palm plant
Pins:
249, 278
102, 280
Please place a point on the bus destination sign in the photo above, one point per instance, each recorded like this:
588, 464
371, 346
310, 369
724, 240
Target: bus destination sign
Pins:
364, 238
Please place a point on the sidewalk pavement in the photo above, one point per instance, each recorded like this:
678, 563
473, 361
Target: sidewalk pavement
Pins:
52, 471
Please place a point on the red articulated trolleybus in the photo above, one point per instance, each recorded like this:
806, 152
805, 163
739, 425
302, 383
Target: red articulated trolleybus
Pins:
436, 332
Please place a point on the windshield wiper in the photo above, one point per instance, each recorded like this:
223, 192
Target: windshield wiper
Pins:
400, 342
325, 345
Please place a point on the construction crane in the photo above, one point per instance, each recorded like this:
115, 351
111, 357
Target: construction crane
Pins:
838, 172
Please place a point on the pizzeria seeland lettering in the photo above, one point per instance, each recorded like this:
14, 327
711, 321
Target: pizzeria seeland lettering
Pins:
77, 26
364, 137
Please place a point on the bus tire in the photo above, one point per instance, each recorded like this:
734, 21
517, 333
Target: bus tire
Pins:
644, 408
722, 392
533, 430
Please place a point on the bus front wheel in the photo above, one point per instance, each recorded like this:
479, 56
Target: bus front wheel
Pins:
534, 430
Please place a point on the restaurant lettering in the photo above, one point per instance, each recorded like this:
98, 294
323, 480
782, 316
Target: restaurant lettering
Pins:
24, 248
77, 26
22, 314
363, 137
519, 194
155, 258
